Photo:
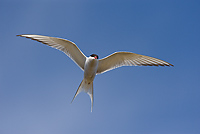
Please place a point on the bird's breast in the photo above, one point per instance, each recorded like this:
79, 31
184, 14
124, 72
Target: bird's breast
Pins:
90, 69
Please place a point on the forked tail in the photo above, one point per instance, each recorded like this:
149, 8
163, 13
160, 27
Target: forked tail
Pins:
85, 87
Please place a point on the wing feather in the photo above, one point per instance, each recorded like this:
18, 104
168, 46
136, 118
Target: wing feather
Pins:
66, 46
119, 59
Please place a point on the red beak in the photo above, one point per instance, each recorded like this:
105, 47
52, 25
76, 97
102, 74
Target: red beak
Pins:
95, 57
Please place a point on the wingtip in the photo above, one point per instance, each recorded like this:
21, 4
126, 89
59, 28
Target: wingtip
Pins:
73, 99
171, 65
20, 35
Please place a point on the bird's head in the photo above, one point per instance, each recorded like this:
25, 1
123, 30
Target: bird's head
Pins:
95, 56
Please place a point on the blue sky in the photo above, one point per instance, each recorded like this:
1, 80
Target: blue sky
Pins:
37, 83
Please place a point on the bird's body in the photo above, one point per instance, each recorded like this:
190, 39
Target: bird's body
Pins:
92, 65
90, 68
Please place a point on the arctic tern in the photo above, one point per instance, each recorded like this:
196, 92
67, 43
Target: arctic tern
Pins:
92, 65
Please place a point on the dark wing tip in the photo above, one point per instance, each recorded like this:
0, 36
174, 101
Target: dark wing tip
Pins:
163, 65
170, 65
32, 39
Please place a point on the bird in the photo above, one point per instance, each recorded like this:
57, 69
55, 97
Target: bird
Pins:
92, 65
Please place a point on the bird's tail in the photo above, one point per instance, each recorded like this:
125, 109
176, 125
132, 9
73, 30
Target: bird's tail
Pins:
85, 87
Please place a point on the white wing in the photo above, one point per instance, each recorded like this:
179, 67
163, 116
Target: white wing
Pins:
119, 59
66, 46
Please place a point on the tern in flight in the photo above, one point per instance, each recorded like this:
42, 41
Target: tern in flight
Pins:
92, 65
